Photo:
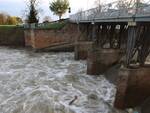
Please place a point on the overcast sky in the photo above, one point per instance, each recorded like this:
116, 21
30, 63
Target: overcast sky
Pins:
17, 7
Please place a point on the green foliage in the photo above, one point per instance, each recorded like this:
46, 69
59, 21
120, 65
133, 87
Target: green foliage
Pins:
19, 20
11, 21
33, 13
10, 26
5, 19
53, 26
59, 7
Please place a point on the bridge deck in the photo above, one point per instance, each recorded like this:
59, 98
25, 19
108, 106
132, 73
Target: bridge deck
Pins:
120, 19
113, 13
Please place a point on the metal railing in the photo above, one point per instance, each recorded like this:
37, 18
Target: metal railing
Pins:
42, 25
112, 10
35, 25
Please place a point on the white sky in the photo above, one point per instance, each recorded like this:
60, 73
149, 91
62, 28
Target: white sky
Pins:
17, 7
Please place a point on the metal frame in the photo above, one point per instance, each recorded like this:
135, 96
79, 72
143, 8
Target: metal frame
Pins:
138, 45
112, 13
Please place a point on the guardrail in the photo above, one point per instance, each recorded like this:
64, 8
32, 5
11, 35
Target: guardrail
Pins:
46, 24
112, 10
35, 25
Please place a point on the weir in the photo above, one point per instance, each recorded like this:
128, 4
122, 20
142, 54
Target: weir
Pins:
110, 36
133, 85
106, 36
119, 36
83, 43
107, 47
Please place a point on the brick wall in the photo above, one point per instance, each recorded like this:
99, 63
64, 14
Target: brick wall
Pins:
42, 38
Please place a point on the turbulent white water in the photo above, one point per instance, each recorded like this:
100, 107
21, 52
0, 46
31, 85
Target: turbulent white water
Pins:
46, 82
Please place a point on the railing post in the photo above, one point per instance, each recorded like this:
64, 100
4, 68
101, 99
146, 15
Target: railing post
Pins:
93, 31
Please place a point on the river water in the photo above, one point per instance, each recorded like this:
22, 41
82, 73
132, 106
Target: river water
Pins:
46, 83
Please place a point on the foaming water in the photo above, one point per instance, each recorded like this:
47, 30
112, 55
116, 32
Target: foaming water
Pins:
46, 83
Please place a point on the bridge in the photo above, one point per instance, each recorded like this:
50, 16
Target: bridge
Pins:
118, 29
118, 11
131, 19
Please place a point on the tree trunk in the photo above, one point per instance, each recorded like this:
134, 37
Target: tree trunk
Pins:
59, 17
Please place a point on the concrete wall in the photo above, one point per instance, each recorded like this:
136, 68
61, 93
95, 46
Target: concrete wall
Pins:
43, 38
133, 87
12, 36
81, 49
100, 60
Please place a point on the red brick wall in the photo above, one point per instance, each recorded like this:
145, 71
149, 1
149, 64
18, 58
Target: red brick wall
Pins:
27, 35
42, 38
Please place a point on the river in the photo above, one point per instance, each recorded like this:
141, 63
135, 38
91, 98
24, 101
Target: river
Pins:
46, 83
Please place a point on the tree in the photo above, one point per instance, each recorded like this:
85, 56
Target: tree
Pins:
19, 20
32, 16
15, 20
98, 3
9, 20
2, 19
123, 4
59, 7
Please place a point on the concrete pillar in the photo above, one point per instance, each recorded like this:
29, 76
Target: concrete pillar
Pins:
133, 87
132, 29
111, 34
82, 45
33, 40
93, 31
27, 36
81, 49
99, 60
123, 36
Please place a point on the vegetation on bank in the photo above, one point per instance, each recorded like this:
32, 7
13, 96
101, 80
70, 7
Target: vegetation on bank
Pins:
31, 14
10, 26
6, 19
57, 25
53, 26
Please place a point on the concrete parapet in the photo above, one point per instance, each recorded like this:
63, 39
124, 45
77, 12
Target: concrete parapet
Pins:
81, 50
133, 87
99, 60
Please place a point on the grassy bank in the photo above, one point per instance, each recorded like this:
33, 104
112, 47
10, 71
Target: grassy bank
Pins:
53, 26
9, 26
56, 25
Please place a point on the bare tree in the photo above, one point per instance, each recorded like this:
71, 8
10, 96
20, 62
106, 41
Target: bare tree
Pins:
79, 14
98, 3
124, 4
